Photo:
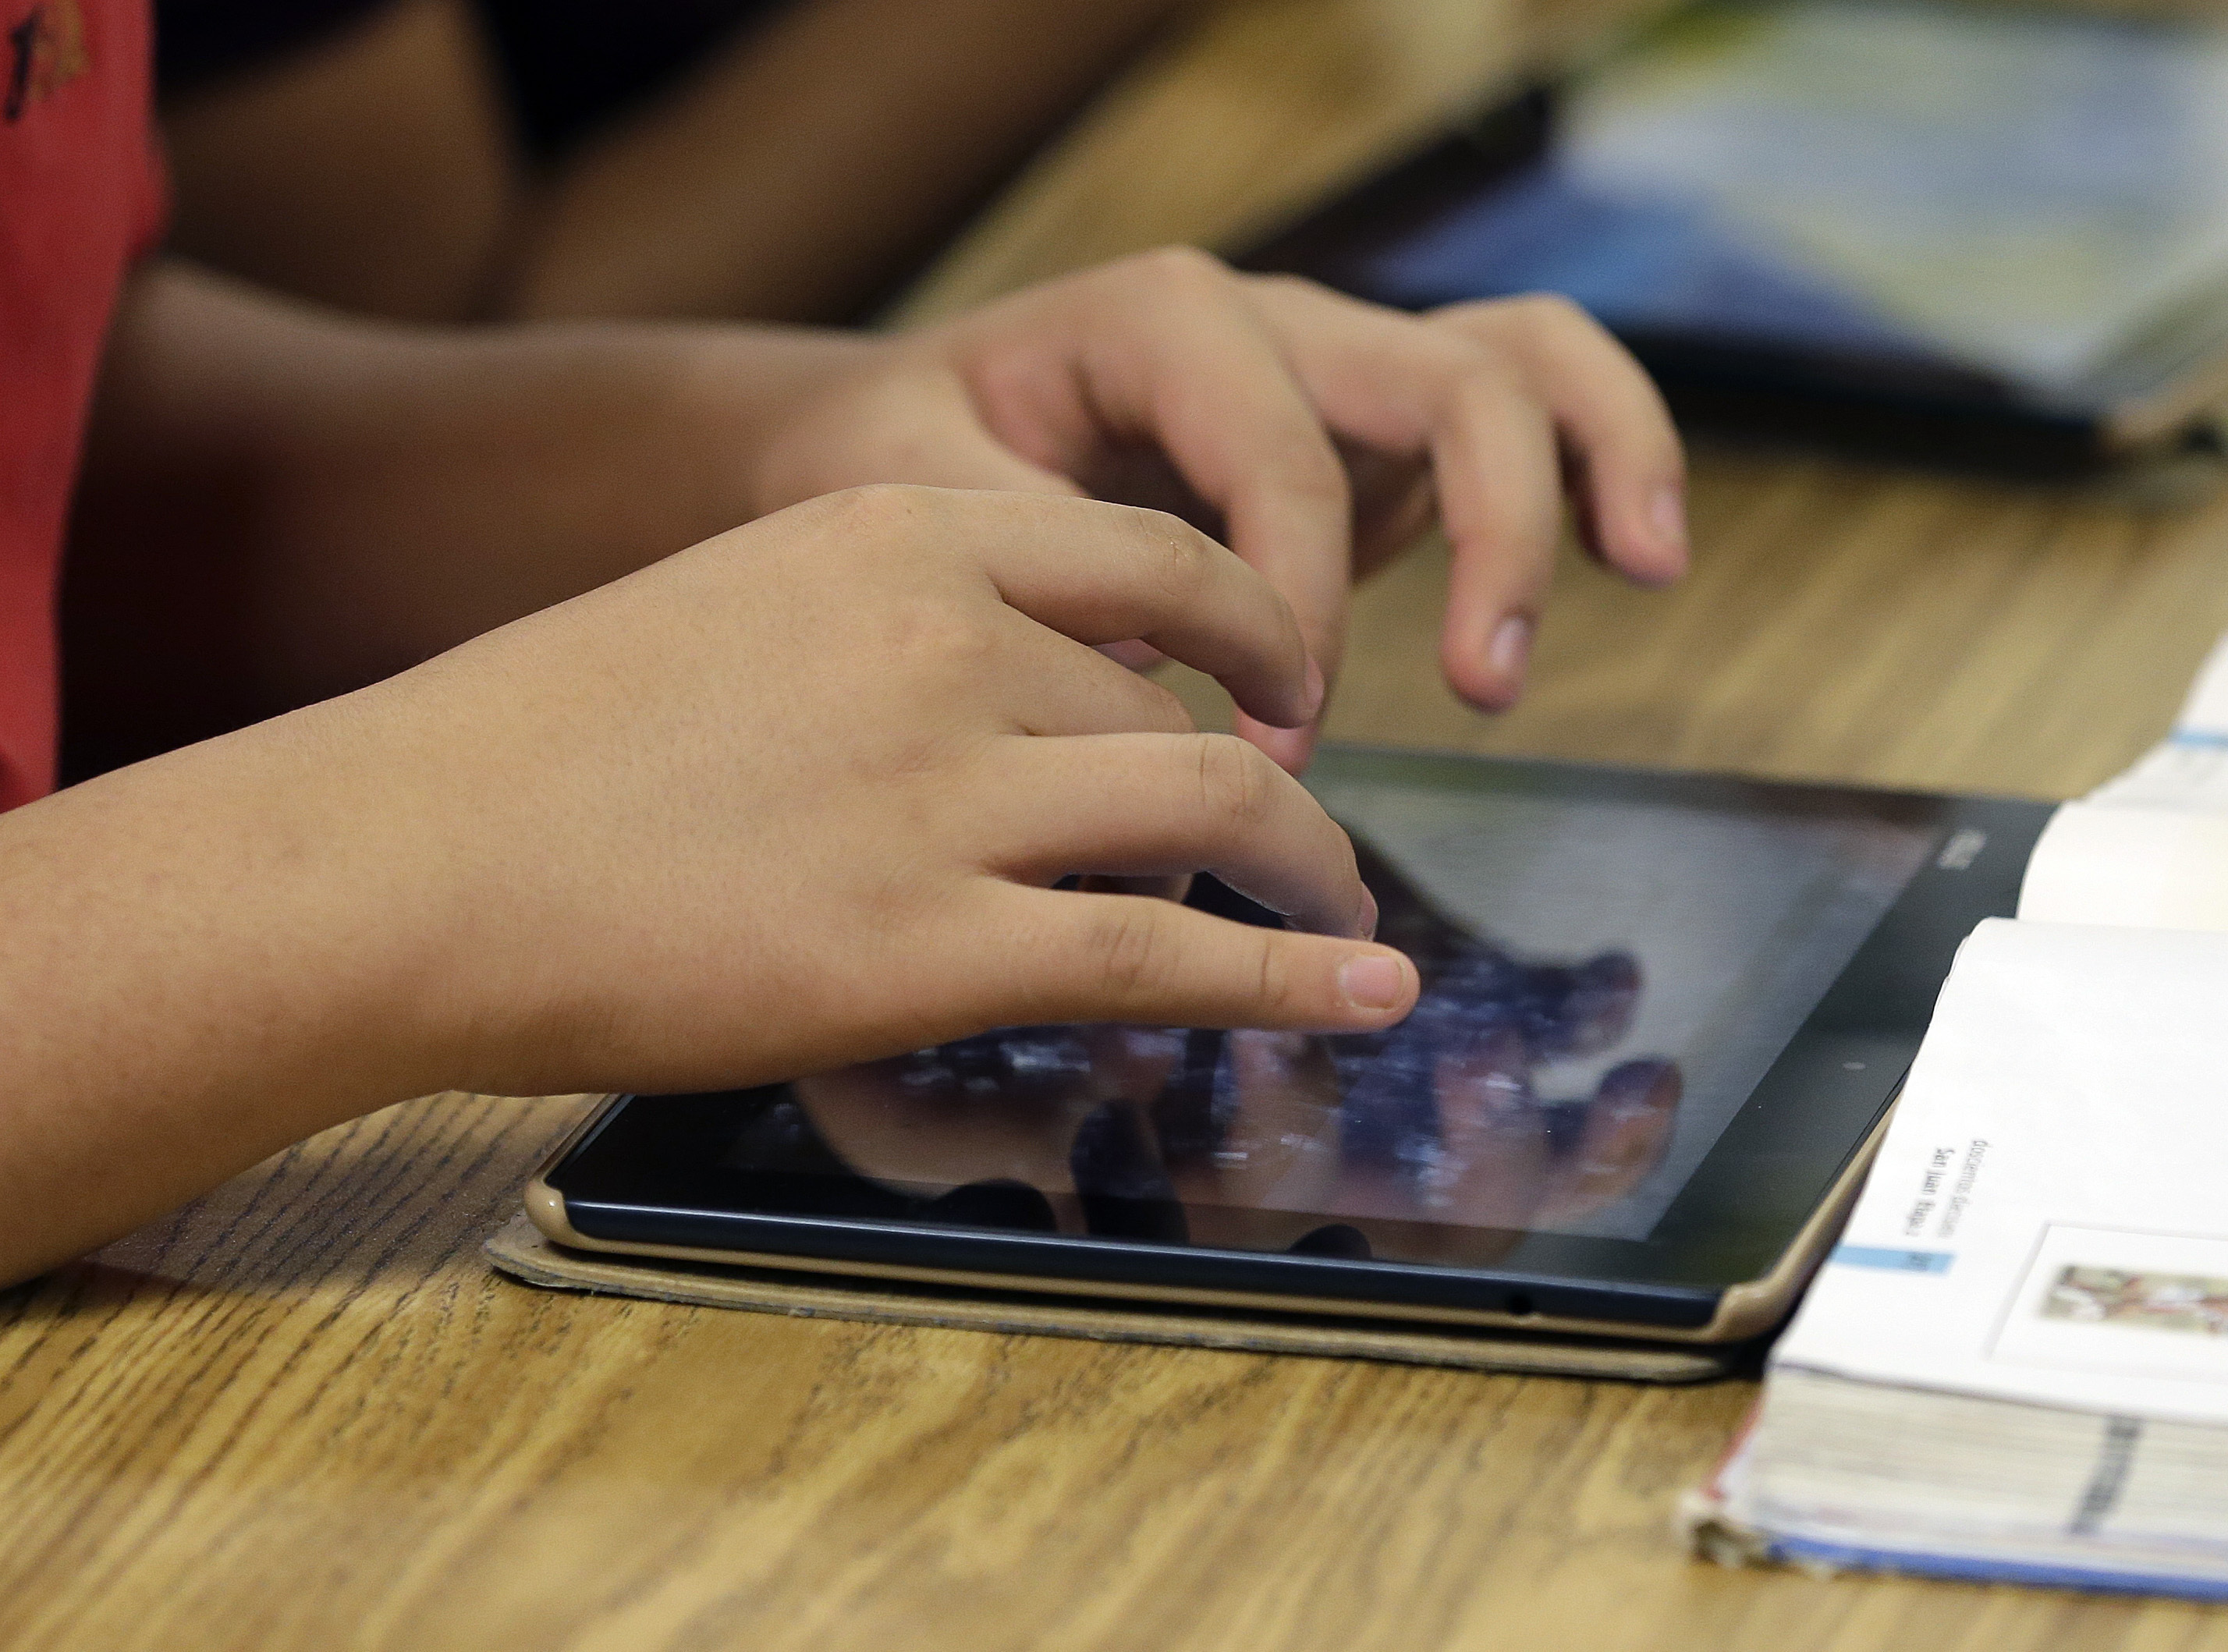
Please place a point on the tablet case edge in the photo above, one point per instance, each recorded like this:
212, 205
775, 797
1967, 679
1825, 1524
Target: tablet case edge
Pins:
520, 1250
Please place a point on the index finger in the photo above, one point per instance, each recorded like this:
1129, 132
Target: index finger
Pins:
1187, 363
1103, 574
1632, 468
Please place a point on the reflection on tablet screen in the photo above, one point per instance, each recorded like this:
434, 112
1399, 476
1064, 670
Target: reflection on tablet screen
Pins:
1603, 983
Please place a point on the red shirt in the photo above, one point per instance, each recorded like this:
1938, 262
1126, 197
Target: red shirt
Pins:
80, 197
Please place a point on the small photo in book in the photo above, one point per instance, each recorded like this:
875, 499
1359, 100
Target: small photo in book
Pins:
2117, 1300
2195, 1304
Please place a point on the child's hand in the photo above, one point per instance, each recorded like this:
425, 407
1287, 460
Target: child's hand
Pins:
1315, 435
793, 797
788, 799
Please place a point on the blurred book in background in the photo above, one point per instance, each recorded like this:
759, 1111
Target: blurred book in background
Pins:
1972, 233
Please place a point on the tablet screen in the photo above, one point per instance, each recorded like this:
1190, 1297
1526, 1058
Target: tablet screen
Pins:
1610, 966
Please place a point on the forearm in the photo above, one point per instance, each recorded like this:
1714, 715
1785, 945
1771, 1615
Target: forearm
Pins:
280, 505
208, 956
798, 175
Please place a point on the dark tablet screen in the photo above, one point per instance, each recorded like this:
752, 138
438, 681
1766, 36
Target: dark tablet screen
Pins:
1615, 964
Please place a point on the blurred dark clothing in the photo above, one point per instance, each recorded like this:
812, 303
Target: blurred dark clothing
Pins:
574, 64
200, 40
569, 65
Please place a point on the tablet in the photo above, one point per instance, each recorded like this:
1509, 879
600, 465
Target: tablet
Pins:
1983, 234
1662, 1016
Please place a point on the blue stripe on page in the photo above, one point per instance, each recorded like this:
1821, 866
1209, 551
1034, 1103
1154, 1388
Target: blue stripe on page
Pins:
2214, 738
1959, 1568
1881, 1255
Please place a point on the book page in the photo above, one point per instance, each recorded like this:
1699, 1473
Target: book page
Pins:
2107, 863
2148, 846
2048, 1217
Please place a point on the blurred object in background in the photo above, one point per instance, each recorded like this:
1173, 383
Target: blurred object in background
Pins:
444, 160
1990, 234
570, 66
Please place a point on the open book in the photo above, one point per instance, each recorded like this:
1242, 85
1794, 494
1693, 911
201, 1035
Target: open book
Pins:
2014, 1366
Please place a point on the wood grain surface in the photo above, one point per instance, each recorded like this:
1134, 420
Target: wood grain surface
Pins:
303, 1414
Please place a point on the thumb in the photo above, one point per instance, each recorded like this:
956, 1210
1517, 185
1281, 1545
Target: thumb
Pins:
1105, 957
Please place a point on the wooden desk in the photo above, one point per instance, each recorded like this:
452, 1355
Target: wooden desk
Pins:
303, 1414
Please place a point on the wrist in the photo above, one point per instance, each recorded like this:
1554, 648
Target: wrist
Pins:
301, 847
382, 899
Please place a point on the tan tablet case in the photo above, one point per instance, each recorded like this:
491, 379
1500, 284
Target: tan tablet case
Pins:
520, 1249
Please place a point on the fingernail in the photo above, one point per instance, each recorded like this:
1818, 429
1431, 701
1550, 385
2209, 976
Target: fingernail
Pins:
1316, 688
1511, 646
1365, 922
1291, 748
1372, 981
1667, 513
